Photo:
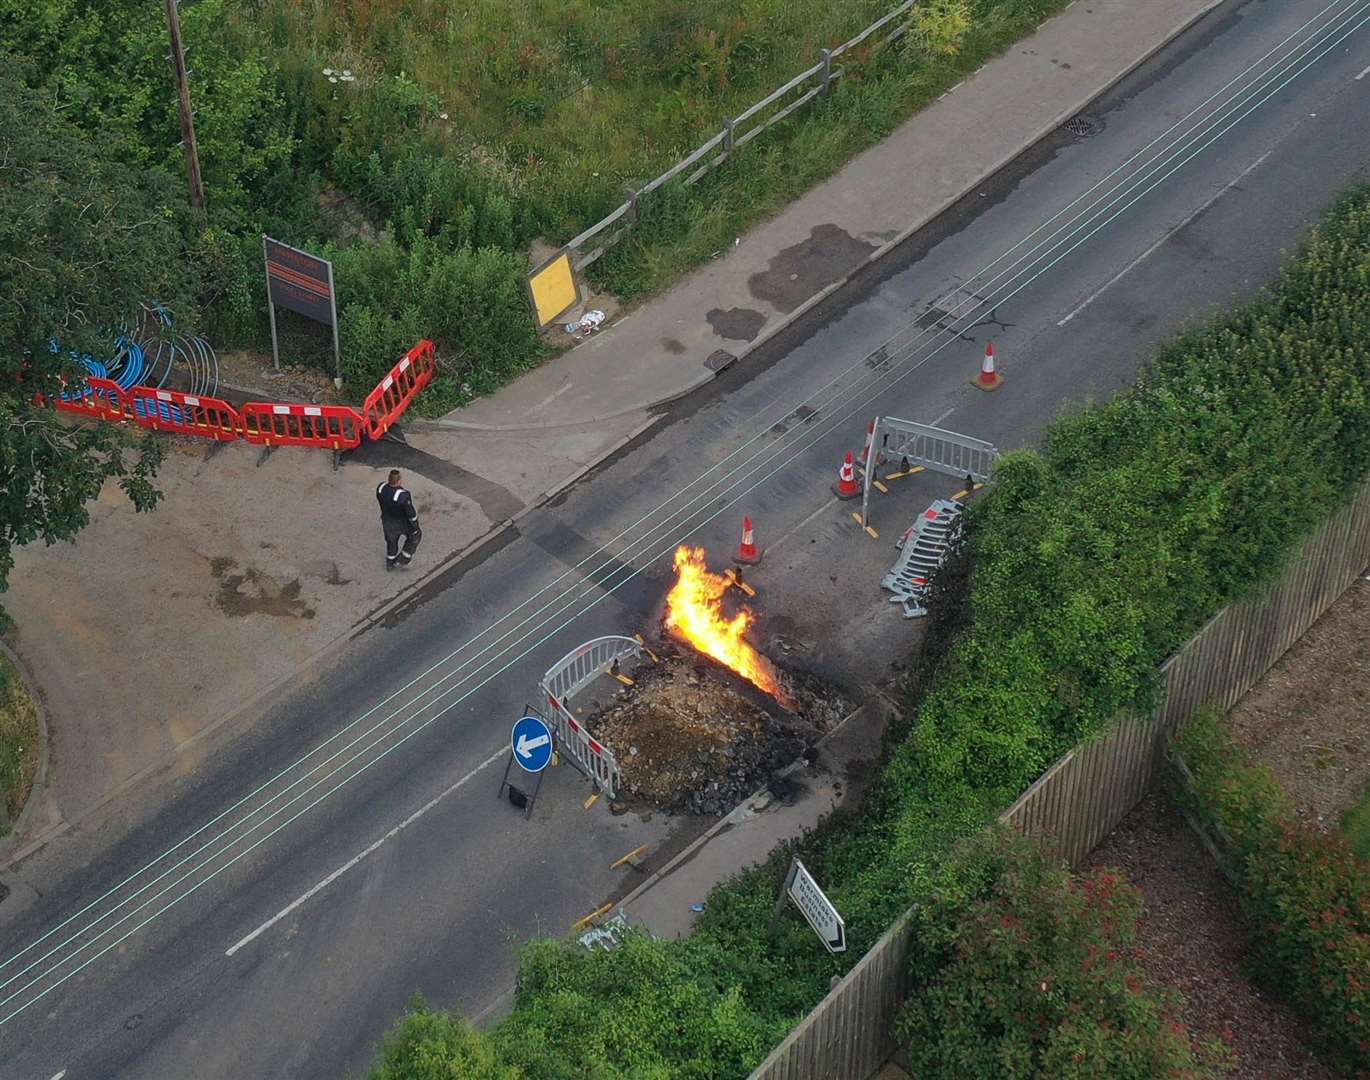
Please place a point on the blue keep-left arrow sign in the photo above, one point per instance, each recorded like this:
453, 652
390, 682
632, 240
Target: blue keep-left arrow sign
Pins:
532, 744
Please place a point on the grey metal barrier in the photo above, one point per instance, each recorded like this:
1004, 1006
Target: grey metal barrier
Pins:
720, 147
911, 445
566, 678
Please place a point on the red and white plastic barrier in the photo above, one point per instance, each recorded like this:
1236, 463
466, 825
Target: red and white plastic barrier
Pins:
385, 404
189, 414
107, 400
330, 427
337, 427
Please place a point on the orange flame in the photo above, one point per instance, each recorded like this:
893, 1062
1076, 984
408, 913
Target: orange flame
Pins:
694, 611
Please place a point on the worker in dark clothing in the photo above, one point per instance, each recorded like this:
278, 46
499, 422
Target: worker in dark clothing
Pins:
398, 518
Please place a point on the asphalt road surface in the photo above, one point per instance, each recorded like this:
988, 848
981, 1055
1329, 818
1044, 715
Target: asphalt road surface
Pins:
326, 882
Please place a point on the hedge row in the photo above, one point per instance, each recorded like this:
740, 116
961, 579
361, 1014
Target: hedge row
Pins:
1032, 972
1091, 562
1305, 895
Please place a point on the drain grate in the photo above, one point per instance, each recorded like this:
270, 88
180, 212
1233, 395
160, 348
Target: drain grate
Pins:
1083, 127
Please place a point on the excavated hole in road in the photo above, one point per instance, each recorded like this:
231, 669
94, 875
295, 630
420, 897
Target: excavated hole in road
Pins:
691, 737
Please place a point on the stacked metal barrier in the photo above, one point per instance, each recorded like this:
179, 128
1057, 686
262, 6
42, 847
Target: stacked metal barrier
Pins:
923, 547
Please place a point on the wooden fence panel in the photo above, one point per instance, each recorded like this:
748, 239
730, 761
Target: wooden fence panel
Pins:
1083, 796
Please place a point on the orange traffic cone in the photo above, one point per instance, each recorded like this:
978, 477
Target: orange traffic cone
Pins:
846, 486
748, 554
989, 378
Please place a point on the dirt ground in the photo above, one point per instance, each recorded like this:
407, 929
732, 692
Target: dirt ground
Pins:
1309, 718
1192, 937
253, 374
687, 740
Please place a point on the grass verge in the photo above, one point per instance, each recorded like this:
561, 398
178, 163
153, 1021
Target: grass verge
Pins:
18, 743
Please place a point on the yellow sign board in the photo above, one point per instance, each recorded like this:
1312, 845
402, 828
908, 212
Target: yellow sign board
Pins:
552, 287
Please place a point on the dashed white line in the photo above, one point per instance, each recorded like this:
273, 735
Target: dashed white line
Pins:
1362, 75
60, 1075
943, 416
345, 867
1168, 234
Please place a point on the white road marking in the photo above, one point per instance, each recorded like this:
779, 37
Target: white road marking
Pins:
60, 1075
1168, 234
943, 416
360, 856
827, 504
1362, 75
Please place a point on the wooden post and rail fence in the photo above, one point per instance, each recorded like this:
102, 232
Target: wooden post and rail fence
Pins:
737, 132
1084, 795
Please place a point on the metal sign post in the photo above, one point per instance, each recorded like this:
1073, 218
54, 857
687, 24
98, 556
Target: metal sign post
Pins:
333, 310
271, 310
531, 744
303, 283
817, 909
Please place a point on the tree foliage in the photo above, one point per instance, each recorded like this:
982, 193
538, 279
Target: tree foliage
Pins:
84, 239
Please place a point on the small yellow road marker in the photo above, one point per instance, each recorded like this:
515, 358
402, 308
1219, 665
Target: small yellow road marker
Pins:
591, 800
858, 519
643, 642
580, 924
735, 579
629, 857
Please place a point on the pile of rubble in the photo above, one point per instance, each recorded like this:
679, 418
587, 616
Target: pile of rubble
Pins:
691, 738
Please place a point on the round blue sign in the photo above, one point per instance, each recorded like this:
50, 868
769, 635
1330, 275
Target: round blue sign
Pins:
532, 743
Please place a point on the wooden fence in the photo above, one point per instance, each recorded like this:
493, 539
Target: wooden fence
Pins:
1084, 795
737, 132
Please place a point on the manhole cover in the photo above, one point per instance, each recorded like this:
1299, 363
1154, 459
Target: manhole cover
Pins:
1083, 127
719, 360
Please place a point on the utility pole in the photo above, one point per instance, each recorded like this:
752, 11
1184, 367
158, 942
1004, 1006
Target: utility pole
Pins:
178, 60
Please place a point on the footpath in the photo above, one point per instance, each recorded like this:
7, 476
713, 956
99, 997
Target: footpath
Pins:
157, 635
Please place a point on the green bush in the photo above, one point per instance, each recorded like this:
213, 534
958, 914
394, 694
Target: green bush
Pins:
424, 193
1036, 976
635, 1012
430, 1045
1305, 895
1355, 826
462, 299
